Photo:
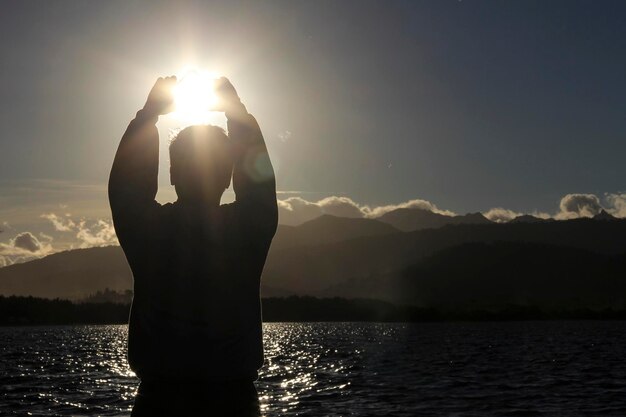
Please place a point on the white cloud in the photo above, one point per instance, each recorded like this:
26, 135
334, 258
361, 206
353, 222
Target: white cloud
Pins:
98, 233
571, 206
296, 210
341, 207
541, 215
61, 224
27, 241
501, 215
24, 246
412, 204
617, 204
74, 232
578, 205
88, 233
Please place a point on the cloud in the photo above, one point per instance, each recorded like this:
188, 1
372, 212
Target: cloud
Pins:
98, 233
617, 204
296, 210
501, 215
571, 206
341, 207
541, 215
27, 241
60, 224
578, 205
84, 233
411, 204
88, 233
24, 246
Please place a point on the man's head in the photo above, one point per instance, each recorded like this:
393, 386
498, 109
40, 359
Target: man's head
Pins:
200, 163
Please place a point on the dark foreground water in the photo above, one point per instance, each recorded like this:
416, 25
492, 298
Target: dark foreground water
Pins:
327, 369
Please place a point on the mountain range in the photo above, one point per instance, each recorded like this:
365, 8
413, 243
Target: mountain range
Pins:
408, 220
408, 256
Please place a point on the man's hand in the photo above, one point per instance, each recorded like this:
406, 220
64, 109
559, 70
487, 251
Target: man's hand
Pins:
161, 98
227, 99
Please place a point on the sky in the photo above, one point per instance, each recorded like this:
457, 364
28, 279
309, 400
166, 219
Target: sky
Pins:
502, 107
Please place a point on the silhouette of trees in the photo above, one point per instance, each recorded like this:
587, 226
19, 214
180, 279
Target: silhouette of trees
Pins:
15, 311
110, 296
31, 310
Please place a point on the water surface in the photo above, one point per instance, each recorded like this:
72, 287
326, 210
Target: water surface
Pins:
317, 369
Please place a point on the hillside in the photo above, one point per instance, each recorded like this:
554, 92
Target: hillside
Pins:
329, 229
71, 274
312, 269
77, 274
365, 258
492, 276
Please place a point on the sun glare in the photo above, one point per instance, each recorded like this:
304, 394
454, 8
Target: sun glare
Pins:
194, 97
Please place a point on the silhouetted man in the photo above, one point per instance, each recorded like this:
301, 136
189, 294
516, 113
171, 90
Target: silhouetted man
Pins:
195, 326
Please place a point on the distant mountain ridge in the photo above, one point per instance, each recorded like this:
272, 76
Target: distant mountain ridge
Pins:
329, 229
312, 270
411, 219
72, 274
351, 257
527, 218
604, 216
493, 276
81, 273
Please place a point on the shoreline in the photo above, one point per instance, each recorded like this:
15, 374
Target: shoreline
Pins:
18, 311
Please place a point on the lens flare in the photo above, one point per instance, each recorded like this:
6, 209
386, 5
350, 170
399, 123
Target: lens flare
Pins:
194, 97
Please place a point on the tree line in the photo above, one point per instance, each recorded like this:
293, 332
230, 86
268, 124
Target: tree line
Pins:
16, 311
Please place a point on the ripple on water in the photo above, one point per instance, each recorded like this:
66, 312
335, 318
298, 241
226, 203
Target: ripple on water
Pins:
527, 368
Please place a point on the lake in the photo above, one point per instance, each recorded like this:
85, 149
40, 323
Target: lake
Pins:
325, 369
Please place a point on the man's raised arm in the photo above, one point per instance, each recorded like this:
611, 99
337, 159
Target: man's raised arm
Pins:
133, 180
254, 182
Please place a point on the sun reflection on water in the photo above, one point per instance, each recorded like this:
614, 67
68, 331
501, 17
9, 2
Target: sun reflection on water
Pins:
344, 369
304, 367
69, 370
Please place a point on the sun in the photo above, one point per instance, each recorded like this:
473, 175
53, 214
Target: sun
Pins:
194, 96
